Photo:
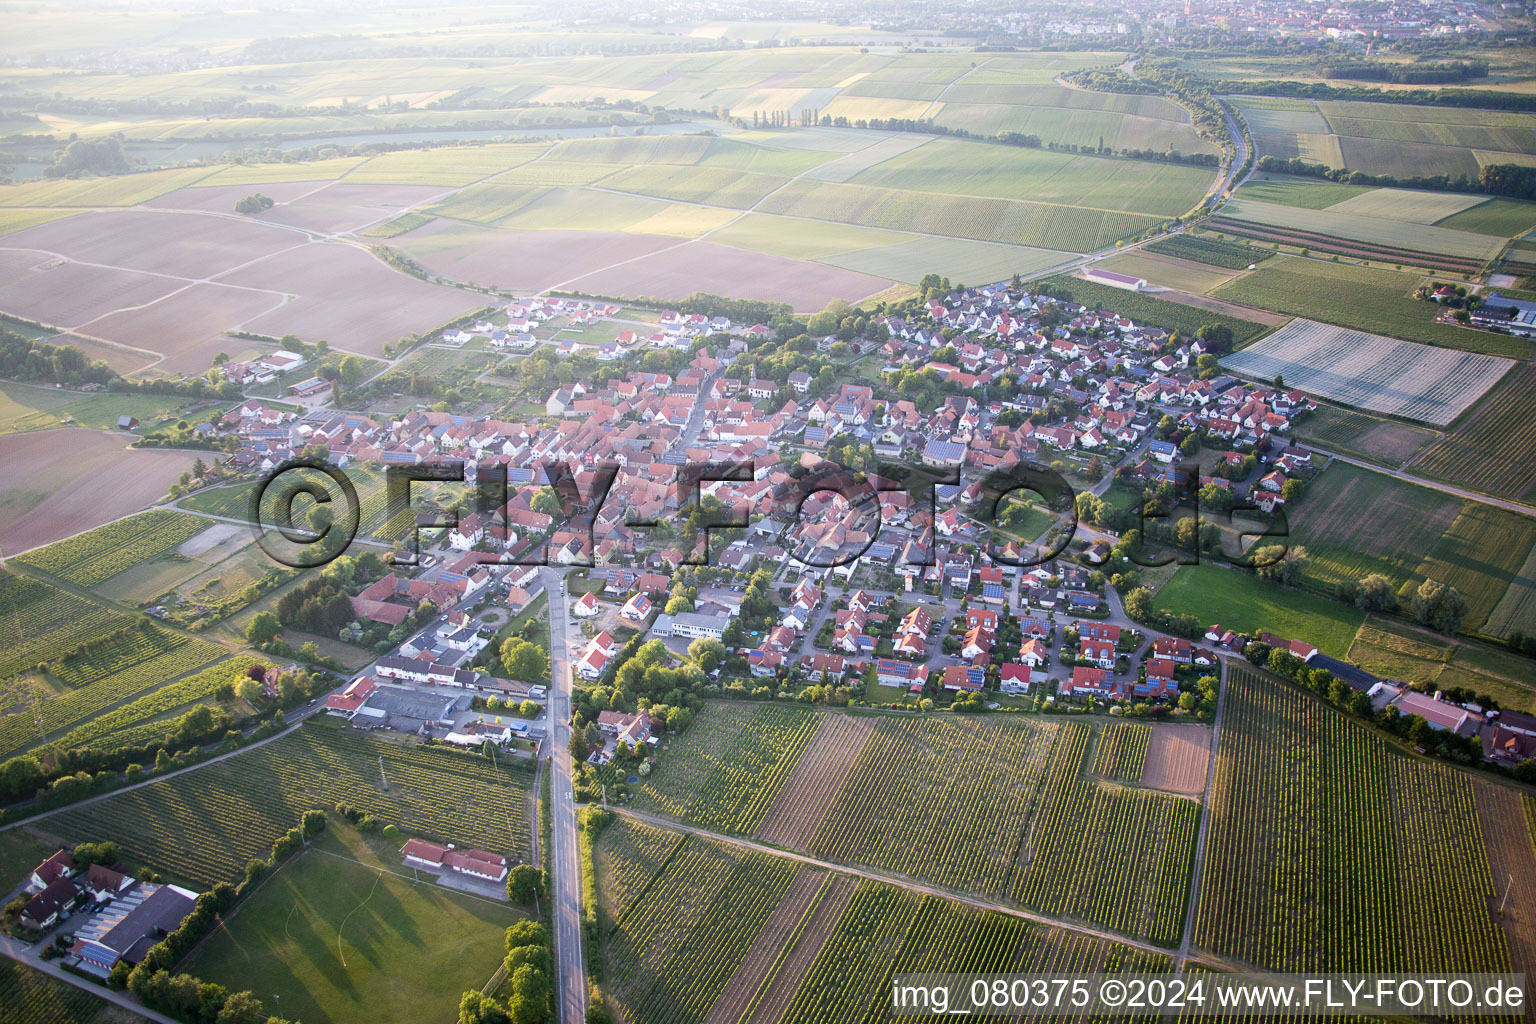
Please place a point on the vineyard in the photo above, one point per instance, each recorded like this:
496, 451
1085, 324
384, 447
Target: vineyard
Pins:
108, 729
1480, 555
725, 776
206, 824
1210, 251
142, 660
31, 997
718, 924
1494, 449
1120, 857
629, 856
902, 807
671, 954
89, 558
1330, 852
1122, 751
39, 622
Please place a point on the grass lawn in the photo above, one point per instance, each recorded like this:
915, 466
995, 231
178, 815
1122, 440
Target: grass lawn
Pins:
25, 407
1244, 603
338, 935
20, 852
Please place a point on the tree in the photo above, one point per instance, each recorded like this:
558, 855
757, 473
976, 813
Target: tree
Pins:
1280, 564
19, 777
707, 652
86, 854
1375, 593
249, 690
1138, 604
523, 659
254, 203
530, 995
1292, 490
475, 1008
263, 629
580, 749
679, 604
547, 502
1438, 606
525, 883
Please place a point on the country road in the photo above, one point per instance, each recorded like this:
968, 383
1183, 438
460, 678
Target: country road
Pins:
564, 869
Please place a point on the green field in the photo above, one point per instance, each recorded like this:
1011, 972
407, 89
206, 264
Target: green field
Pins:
49, 623
1365, 298
1211, 251
1164, 273
204, 825
962, 258
1306, 193
1244, 603
125, 190
1145, 309
1322, 842
1354, 521
26, 407
1503, 217
1493, 447
1337, 222
343, 932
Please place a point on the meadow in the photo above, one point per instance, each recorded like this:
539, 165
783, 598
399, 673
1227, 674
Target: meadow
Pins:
1370, 299
206, 824
1481, 554
1243, 603
1327, 869
343, 932
1372, 372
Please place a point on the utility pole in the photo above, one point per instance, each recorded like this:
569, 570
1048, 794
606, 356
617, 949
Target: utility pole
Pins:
1507, 886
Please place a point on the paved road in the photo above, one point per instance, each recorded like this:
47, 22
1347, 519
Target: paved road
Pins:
564, 870
898, 880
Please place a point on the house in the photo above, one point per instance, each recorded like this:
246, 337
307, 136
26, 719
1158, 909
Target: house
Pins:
1100, 631
1013, 678
103, 882
586, 607
348, 702
1174, 648
964, 678
1439, 713
633, 729
984, 618
43, 910
764, 664
1099, 652
127, 423
59, 865
1034, 653
1160, 681
636, 608
891, 672
1162, 451
1091, 682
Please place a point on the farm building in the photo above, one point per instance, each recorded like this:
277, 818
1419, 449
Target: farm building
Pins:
130, 925
490, 867
1114, 280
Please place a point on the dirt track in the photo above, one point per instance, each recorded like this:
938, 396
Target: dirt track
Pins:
753, 969
798, 963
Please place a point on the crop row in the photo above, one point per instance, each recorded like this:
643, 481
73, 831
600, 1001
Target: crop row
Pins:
628, 858
1480, 555
205, 824
1329, 852
173, 657
1120, 857
157, 703
1210, 251
674, 952
90, 558
99, 661
31, 997
725, 776
1494, 450
41, 622
1122, 750
1343, 246
902, 807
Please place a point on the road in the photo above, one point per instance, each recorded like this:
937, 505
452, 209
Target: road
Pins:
564, 869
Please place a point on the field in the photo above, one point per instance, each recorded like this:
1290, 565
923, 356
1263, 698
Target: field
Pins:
726, 935
1354, 521
205, 824
90, 558
1372, 372
145, 719
1502, 217
1121, 751
865, 787
1165, 272
1244, 603
343, 932
1480, 555
1362, 298
43, 622
1365, 437
1357, 859
1494, 448
1211, 251
32, 997
103, 677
